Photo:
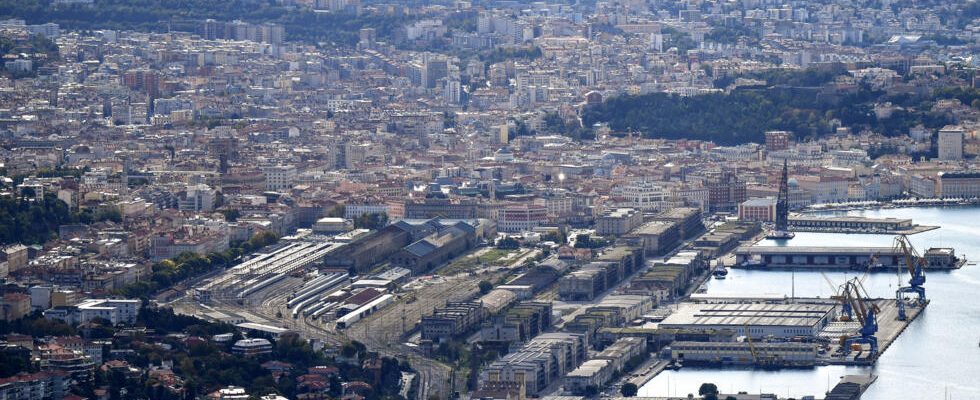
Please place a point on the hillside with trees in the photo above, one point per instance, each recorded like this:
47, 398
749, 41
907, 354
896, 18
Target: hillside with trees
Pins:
186, 15
31, 222
745, 114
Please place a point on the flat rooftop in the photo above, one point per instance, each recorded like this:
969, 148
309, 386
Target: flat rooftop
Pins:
738, 315
816, 250
852, 218
654, 228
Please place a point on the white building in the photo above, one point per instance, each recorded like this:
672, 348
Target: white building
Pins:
252, 347
332, 225
352, 211
646, 196
964, 184
522, 218
197, 198
50, 30
618, 221
116, 311
230, 393
279, 177
951, 143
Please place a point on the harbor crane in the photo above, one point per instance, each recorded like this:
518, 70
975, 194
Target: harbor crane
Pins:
853, 296
914, 264
857, 305
847, 313
764, 360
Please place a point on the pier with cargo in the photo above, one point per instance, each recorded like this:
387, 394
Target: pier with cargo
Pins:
785, 333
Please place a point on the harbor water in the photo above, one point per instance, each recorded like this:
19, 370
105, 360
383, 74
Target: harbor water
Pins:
938, 355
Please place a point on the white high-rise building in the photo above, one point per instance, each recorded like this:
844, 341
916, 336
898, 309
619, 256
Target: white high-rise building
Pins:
950, 143
279, 177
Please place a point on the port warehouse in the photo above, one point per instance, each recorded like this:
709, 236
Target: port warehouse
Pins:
521, 321
603, 366
536, 366
756, 320
509, 319
540, 362
662, 280
744, 353
506, 316
850, 222
842, 257
533, 368
500, 317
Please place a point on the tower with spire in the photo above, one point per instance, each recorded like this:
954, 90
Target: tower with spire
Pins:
782, 202
781, 230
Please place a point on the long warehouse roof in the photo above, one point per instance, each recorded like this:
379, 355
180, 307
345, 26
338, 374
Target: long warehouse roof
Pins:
752, 314
817, 250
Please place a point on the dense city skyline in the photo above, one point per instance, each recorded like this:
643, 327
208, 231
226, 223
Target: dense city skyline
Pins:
313, 199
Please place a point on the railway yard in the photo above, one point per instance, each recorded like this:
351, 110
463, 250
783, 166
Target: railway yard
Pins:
283, 287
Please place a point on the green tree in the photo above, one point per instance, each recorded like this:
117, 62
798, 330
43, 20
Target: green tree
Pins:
485, 287
301, 24
12, 363
508, 243
373, 221
628, 389
31, 222
231, 215
109, 214
337, 211
709, 391
336, 387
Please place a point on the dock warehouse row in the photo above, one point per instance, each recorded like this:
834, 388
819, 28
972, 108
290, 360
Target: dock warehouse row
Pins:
840, 257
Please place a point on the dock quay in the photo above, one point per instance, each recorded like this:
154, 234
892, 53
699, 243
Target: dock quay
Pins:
889, 329
648, 371
787, 333
832, 257
855, 224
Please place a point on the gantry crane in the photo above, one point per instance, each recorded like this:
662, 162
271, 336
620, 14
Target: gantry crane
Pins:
914, 264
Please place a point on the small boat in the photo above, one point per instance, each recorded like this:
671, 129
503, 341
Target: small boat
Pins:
774, 234
753, 263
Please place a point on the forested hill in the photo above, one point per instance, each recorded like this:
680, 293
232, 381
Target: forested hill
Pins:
186, 15
745, 114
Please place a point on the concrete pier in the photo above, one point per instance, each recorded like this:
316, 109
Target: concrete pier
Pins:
889, 329
837, 257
